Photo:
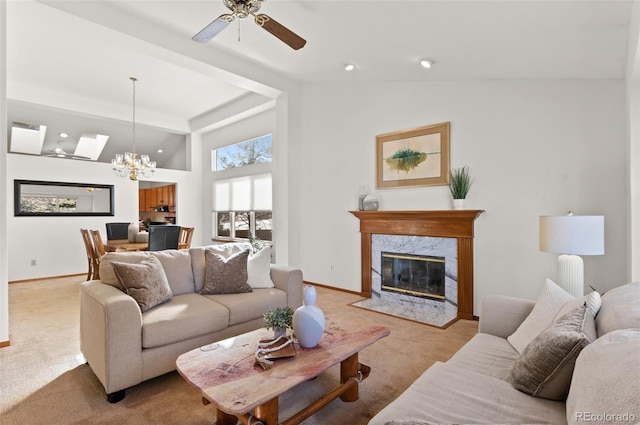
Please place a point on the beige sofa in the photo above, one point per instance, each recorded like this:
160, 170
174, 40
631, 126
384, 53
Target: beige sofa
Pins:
474, 386
125, 346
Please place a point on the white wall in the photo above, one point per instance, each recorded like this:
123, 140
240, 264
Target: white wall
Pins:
4, 275
55, 242
633, 100
534, 148
633, 110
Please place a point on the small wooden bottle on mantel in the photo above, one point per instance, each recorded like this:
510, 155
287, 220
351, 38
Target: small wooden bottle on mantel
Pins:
308, 320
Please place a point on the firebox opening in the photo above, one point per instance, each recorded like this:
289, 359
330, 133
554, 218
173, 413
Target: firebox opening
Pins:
416, 275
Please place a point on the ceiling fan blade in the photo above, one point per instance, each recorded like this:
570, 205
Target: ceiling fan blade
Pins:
214, 28
290, 38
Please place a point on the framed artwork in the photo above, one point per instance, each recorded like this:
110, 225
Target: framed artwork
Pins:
415, 157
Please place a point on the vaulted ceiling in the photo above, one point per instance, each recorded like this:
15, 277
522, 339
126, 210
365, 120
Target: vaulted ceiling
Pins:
77, 56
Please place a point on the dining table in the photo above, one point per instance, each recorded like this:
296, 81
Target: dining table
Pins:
125, 245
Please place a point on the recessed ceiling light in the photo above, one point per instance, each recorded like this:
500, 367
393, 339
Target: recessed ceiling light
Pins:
349, 67
426, 63
63, 135
160, 151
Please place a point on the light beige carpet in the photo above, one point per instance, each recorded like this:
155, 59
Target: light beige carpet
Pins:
44, 379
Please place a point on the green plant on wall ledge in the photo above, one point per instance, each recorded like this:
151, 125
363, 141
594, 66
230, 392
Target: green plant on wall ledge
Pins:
460, 182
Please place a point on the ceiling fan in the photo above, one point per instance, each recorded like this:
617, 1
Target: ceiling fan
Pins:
59, 152
241, 9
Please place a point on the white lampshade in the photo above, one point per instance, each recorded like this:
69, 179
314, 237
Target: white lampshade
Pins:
572, 234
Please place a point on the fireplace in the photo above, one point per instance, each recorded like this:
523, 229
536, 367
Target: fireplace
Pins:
453, 228
414, 275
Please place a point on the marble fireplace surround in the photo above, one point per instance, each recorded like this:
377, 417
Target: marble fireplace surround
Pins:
456, 224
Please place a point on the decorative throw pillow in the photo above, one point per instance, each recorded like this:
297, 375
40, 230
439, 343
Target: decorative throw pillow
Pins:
145, 281
593, 301
620, 309
259, 269
545, 367
225, 275
550, 301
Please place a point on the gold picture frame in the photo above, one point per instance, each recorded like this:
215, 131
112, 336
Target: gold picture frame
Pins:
415, 157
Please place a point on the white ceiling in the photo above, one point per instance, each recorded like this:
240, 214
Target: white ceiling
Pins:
69, 53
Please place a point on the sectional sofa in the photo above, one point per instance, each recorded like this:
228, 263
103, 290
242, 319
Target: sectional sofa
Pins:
492, 379
127, 338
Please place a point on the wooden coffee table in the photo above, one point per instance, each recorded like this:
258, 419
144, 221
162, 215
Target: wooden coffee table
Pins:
227, 376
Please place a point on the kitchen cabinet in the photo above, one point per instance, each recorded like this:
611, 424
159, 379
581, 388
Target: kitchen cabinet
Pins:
142, 200
149, 199
172, 197
162, 193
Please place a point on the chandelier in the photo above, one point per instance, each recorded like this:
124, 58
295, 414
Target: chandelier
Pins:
129, 165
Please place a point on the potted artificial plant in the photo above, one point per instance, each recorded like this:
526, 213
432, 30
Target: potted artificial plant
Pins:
460, 183
279, 319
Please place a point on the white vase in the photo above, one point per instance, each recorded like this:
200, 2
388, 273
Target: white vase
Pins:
308, 320
458, 204
132, 231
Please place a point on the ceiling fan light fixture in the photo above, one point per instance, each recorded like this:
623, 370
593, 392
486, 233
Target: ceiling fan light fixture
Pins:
349, 67
426, 63
241, 9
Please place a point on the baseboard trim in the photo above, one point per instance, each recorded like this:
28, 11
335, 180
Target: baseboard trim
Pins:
46, 278
4, 344
306, 282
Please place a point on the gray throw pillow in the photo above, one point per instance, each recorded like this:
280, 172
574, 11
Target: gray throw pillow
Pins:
545, 367
145, 281
225, 275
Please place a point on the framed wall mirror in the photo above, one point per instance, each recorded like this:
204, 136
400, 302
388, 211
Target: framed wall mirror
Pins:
44, 198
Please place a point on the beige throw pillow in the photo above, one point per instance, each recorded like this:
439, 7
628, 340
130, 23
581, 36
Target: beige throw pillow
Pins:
145, 281
545, 367
620, 309
551, 299
225, 275
592, 299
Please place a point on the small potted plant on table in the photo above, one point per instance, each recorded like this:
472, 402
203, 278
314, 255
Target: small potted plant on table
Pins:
279, 319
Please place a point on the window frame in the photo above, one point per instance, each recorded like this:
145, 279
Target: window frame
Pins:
253, 173
232, 226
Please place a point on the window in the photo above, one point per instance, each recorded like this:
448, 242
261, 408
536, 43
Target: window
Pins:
242, 208
249, 152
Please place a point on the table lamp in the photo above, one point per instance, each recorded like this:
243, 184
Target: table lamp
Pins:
572, 235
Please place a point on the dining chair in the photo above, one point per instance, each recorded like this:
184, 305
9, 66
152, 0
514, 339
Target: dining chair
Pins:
117, 231
98, 252
186, 233
88, 245
163, 237
98, 244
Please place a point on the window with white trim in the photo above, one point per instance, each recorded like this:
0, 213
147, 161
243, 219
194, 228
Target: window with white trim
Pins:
249, 152
242, 208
